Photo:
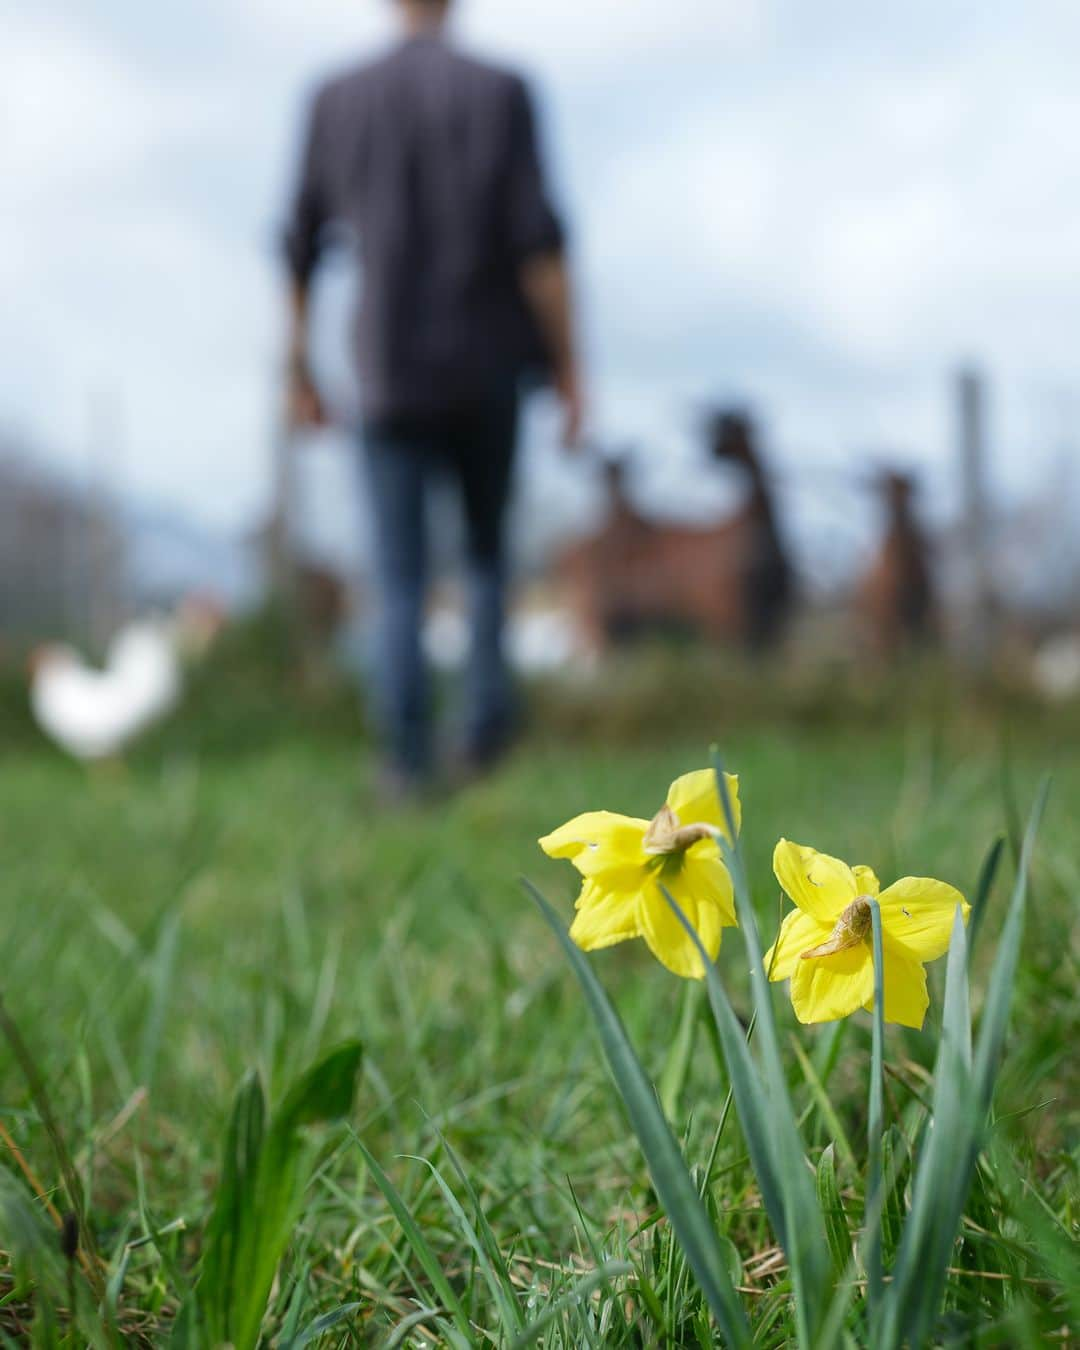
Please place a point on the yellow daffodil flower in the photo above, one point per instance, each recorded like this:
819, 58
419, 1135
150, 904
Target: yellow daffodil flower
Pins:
825, 946
625, 860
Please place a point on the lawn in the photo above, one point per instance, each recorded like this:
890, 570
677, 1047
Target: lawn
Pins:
234, 899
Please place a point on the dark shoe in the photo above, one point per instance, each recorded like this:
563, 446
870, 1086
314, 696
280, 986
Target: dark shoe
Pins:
398, 788
476, 761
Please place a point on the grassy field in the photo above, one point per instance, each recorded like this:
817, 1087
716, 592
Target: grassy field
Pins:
233, 899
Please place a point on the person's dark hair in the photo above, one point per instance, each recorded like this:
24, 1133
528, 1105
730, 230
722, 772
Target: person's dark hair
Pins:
732, 434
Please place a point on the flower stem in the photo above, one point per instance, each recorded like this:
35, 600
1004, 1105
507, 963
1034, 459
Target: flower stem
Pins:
875, 1112
711, 1164
677, 1064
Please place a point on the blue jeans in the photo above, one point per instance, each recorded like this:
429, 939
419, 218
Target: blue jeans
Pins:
474, 446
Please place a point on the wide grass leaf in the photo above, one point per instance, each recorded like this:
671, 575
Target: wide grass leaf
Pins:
832, 1210
984, 887
671, 1178
264, 1172
770, 1115
963, 1090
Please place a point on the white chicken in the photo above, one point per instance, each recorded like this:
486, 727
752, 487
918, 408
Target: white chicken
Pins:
1056, 667
95, 714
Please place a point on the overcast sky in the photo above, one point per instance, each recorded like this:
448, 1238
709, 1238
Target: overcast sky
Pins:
820, 208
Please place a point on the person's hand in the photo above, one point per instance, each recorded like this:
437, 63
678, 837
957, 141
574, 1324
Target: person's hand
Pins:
571, 395
303, 402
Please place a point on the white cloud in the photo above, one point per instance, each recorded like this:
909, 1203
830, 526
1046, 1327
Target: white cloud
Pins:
312, 32
766, 198
567, 38
74, 113
123, 283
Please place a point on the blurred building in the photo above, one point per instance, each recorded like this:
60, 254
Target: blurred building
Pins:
62, 558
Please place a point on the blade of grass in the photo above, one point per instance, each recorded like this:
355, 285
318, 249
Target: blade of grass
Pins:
774, 1147
833, 1123
941, 1180
751, 1105
508, 1298
159, 978
414, 1236
963, 1090
1055, 1245
722, 1122
983, 887
806, 1247
320, 1326
400, 1333
671, 1178
582, 1290
893, 1171
1008, 800
995, 1014
832, 1209
35, 1260
502, 1291
42, 1102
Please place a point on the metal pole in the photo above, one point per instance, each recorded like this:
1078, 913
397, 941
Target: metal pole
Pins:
283, 573
104, 532
977, 635
280, 549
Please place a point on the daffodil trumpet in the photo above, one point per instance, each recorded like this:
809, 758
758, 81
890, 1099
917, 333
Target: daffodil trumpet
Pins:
824, 944
851, 928
624, 861
666, 835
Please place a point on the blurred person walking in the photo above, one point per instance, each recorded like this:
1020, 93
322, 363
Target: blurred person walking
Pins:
431, 157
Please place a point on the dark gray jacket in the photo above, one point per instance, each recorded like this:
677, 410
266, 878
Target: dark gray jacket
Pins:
430, 159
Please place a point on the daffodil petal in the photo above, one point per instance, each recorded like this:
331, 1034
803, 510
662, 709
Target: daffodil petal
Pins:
906, 996
709, 880
710, 926
866, 880
695, 800
826, 988
598, 842
604, 918
668, 940
586, 831
798, 933
918, 913
821, 886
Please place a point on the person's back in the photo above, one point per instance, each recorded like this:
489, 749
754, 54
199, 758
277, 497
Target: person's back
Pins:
430, 158
445, 211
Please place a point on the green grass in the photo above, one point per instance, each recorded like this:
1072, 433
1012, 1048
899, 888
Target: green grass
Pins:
234, 900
